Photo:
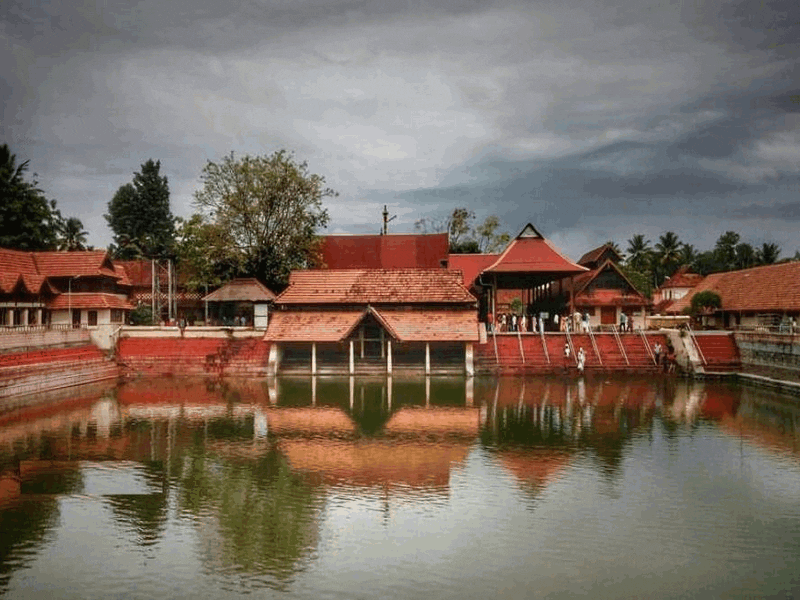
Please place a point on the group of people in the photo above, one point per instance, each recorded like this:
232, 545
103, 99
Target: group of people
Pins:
512, 323
625, 322
665, 357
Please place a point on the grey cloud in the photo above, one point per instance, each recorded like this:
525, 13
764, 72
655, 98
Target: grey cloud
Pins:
786, 211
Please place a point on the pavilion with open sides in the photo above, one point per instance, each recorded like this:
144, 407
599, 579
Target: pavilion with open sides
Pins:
530, 268
373, 321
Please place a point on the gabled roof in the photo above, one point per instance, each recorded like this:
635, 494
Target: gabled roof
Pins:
595, 257
772, 288
242, 290
530, 252
391, 251
375, 286
582, 281
470, 265
682, 278
75, 264
90, 301
402, 325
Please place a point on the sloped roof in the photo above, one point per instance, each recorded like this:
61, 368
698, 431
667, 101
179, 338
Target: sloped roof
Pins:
375, 286
582, 282
593, 256
530, 252
242, 290
405, 326
75, 264
391, 251
772, 288
90, 301
30, 269
470, 265
682, 278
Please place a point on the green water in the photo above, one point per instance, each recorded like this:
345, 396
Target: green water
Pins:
364, 488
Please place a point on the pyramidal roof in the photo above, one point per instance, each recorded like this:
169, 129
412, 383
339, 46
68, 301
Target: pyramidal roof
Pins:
531, 252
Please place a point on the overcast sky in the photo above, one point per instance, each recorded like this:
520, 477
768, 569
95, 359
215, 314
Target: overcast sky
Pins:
593, 120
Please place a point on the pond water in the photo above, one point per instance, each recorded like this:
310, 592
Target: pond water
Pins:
414, 488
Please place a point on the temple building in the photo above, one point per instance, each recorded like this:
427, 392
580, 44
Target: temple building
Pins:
68, 289
530, 269
373, 321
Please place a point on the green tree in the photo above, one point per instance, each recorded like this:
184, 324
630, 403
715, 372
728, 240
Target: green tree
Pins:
140, 216
745, 256
71, 235
667, 256
489, 238
204, 256
639, 256
768, 254
270, 208
725, 251
27, 220
705, 300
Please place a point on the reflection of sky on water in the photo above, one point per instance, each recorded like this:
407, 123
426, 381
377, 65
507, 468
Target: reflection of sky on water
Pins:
611, 488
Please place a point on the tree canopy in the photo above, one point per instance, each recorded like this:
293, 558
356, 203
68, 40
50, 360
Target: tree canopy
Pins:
269, 209
28, 221
140, 216
464, 237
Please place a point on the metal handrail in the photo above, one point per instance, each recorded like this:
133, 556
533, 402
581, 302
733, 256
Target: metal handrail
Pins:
594, 345
647, 347
521, 351
619, 343
571, 346
696, 344
494, 339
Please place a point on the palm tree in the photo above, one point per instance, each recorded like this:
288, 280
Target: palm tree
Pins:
72, 235
768, 253
745, 256
667, 255
688, 254
639, 252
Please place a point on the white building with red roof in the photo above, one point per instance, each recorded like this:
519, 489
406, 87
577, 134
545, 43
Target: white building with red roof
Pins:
62, 289
674, 288
362, 320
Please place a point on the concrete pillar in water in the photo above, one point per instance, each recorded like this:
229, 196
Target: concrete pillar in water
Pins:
427, 358
313, 358
273, 362
389, 356
352, 359
469, 357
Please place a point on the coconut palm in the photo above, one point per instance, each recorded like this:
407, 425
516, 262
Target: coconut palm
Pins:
72, 235
667, 254
639, 252
768, 254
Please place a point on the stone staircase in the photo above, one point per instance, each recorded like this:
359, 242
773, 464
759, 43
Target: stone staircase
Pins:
720, 352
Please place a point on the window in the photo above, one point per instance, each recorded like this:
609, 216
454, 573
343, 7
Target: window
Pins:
92, 316
116, 315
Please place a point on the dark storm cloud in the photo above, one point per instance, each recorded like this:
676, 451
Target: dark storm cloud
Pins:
785, 211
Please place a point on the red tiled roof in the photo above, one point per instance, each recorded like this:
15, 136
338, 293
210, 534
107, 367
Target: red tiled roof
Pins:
682, 279
391, 251
773, 288
312, 326
470, 265
75, 264
530, 252
595, 255
405, 326
612, 296
375, 286
91, 301
432, 325
242, 290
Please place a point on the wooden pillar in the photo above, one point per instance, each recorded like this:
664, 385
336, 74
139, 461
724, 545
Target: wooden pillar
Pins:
40, 316
313, 358
10, 315
352, 359
389, 356
427, 358
383, 349
24, 317
469, 360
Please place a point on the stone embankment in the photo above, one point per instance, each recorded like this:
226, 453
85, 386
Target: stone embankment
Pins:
47, 369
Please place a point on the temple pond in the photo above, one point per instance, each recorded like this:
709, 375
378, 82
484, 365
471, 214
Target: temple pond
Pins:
411, 488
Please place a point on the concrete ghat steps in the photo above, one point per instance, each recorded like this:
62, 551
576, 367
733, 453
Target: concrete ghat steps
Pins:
532, 358
720, 352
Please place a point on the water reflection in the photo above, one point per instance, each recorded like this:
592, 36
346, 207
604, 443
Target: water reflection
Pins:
254, 471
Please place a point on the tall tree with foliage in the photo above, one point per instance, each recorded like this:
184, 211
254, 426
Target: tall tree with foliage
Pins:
71, 235
768, 254
270, 208
27, 220
725, 251
667, 256
464, 238
488, 236
140, 216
